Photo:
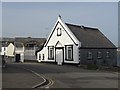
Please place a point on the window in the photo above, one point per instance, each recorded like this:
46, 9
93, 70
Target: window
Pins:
108, 54
39, 56
43, 57
69, 52
89, 55
50, 52
99, 55
4, 49
59, 32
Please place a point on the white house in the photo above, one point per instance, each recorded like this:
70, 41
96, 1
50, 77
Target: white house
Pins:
4, 43
69, 43
10, 50
26, 48
3, 49
61, 45
19, 52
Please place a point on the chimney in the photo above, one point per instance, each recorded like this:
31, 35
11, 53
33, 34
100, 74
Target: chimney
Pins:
59, 17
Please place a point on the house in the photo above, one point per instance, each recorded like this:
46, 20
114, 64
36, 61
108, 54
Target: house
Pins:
20, 48
118, 56
10, 50
19, 52
69, 43
5, 42
3, 49
25, 48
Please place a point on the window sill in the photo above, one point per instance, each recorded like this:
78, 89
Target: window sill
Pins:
99, 58
89, 58
50, 58
69, 59
58, 35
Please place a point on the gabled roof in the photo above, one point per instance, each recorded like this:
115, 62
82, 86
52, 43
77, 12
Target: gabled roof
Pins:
4, 44
29, 40
90, 37
18, 45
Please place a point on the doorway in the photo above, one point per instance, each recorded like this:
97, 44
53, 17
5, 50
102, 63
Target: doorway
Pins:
17, 58
59, 56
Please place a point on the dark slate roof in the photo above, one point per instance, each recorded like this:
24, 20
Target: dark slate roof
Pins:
18, 45
4, 44
5, 39
24, 40
90, 37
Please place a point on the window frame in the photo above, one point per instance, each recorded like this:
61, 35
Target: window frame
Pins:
43, 56
99, 54
49, 56
67, 52
89, 55
39, 56
59, 31
108, 54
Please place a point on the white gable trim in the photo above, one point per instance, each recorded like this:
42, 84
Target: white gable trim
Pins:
67, 30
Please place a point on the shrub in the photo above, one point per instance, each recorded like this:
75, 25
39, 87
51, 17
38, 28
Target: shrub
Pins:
92, 67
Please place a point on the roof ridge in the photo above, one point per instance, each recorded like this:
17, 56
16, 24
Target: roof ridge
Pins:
82, 26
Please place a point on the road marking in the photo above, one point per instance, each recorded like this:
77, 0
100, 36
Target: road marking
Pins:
51, 82
45, 79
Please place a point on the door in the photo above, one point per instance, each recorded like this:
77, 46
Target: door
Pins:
17, 58
59, 56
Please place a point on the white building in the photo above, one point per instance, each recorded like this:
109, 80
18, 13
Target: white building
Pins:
3, 49
69, 43
61, 45
19, 52
10, 50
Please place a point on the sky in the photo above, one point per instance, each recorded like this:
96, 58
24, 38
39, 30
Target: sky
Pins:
60, 0
119, 24
36, 19
0, 19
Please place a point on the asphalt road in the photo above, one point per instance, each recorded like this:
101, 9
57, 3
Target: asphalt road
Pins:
15, 76
65, 76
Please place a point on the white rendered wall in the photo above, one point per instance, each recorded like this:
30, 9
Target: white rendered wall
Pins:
64, 39
10, 50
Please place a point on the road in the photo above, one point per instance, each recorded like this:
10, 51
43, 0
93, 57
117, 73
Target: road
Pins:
26, 75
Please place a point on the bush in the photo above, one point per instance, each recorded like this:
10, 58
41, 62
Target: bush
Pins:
92, 67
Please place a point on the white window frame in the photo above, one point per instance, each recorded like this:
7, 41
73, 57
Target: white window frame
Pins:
67, 49
89, 55
108, 54
51, 55
39, 56
43, 56
59, 31
99, 54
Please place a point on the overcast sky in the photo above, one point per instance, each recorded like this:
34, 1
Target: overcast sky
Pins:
37, 19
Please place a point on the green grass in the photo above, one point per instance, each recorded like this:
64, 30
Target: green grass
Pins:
92, 67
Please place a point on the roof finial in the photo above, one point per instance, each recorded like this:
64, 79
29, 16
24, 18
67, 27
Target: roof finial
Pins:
59, 16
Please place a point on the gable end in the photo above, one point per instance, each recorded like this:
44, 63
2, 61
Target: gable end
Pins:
65, 31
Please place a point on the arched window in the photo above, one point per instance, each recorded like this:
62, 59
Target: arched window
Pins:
59, 31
